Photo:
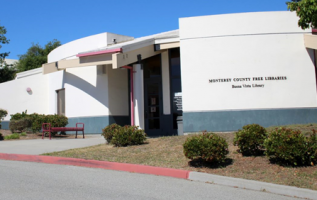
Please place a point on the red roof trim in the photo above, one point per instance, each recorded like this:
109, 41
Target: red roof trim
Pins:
99, 52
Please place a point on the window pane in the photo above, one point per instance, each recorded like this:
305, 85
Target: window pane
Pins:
152, 67
61, 102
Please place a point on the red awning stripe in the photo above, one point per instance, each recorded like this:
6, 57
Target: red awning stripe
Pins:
99, 52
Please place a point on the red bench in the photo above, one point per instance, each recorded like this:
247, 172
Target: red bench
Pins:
46, 127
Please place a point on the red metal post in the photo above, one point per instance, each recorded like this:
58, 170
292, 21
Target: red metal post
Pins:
131, 93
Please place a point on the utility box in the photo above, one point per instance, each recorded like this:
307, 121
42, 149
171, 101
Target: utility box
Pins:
180, 125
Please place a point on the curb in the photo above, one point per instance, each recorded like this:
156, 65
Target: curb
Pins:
253, 185
143, 169
169, 172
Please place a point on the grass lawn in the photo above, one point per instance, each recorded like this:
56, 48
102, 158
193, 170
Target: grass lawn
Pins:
168, 152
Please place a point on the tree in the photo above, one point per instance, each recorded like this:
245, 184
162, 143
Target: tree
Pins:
7, 72
306, 11
36, 56
3, 40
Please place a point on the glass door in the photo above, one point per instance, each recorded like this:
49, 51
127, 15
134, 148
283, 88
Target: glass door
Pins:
153, 96
153, 107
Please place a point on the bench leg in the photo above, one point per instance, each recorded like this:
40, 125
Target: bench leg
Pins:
42, 134
76, 135
83, 135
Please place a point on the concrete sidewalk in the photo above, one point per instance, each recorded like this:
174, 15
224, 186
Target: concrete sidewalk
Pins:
39, 146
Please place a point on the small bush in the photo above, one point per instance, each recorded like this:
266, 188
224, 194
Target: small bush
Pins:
1, 137
108, 131
20, 125
208, 147
18, 116
55, 120
3, 113
23, 134
128, 135
312, 148
250, 139
291, 147
12, 136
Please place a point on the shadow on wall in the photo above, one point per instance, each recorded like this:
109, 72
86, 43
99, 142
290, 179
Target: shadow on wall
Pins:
311, 54
97, 92
111, 90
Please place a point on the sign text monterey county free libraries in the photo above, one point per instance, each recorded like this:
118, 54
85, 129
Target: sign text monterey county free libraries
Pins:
249, 79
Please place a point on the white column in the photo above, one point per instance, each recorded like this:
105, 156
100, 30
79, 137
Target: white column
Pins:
166, 84
138, 96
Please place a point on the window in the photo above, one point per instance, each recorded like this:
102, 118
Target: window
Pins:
61, 102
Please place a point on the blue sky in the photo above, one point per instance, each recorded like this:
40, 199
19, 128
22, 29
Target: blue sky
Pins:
40, 21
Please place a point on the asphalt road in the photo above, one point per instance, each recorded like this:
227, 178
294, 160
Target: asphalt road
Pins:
37, 181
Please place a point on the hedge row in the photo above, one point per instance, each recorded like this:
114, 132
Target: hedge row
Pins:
283, 146
23, 121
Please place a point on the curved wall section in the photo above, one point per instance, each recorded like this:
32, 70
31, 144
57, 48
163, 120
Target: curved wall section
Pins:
72, 48
90, 43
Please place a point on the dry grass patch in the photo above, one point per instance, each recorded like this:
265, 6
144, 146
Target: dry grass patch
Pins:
168, 152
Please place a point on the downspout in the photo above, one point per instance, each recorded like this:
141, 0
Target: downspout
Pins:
131, 93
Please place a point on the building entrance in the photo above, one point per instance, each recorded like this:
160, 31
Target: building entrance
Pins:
153, 106
156, 122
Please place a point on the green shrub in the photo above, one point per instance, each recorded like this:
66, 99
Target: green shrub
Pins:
291, 147
18, 116
23, 134
312, 148
108, 131
128, 135
20, 125
250, 139
3, 113
12, 136
1, 137
38, 119
208, 147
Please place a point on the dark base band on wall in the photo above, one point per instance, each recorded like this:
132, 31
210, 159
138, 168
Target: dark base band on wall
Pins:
94, 125
222, 121
5, 125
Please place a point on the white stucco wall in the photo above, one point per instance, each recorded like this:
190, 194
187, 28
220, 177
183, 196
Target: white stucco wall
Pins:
15, 98
245, 46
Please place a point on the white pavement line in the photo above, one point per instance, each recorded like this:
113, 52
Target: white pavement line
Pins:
253, 185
